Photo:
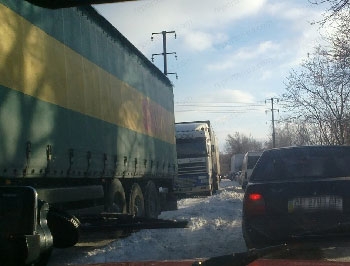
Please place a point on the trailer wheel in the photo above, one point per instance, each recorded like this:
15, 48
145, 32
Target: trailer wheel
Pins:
152, 207
115, 198
216, 183
136, 201
210, 192
169, 202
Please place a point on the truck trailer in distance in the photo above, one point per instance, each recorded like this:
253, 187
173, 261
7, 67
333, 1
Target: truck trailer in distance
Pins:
236, 164
197, 158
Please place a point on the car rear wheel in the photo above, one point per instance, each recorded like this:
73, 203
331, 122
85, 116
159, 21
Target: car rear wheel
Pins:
253, 239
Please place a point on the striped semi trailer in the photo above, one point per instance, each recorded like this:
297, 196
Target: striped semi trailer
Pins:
86, 120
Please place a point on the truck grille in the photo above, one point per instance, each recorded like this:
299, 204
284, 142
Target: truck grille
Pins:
192, 168
185, 182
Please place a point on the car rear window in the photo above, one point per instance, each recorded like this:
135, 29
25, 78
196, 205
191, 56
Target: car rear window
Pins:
252, 159
303, 163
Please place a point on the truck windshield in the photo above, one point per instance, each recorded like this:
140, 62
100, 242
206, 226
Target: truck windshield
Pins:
194, 147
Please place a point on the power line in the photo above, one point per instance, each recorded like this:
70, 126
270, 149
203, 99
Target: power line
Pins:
216, 112
220, 106
188, 102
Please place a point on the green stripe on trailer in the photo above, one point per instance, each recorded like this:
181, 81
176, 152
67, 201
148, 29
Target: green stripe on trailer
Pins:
84, 145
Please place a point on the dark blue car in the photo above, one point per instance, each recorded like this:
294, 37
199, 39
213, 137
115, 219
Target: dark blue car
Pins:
297, 192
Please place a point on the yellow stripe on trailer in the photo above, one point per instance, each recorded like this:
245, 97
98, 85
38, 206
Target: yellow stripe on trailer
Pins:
38, 65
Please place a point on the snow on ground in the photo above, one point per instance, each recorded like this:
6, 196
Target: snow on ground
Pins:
214, 229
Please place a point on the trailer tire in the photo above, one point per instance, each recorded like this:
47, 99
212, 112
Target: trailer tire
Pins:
210, 192
136, 201
216, 183
115, 198
152, 205
171, 202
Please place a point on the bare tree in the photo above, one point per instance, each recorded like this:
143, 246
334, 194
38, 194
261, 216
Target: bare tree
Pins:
240, 143
340, 39
292, 133
319, 95
335, 7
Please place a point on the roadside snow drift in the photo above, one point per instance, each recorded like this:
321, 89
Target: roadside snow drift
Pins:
214, 229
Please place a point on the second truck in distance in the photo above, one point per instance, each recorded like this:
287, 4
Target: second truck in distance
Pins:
197, 158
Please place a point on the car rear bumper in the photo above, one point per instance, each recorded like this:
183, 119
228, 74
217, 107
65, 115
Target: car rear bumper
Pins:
281, 229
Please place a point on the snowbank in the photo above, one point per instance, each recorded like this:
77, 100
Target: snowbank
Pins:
214, 229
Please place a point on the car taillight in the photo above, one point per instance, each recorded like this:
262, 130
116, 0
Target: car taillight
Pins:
254, 204
255, 196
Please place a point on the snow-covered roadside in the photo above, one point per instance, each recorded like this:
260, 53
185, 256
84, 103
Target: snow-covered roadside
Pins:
214, 229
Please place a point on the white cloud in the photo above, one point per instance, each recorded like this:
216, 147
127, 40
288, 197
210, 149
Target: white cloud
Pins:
199, 41
193, 20
207, 20
266, 75
266, 49
296, 48
220, 66
236, 9
296, 14
229, 95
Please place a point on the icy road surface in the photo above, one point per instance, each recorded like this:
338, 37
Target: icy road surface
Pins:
214, 229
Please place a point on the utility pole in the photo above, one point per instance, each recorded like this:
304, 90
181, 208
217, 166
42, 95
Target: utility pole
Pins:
273, 121
165, 53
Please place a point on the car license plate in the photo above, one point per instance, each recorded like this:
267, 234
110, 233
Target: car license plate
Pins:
315, 203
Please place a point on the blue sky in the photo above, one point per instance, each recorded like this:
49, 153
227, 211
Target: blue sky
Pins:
232, 55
